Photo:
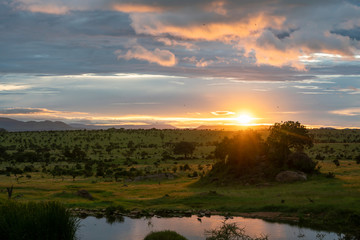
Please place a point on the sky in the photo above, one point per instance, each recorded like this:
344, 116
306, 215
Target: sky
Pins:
184, 63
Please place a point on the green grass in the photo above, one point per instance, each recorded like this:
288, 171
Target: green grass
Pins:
318, 195
341, 192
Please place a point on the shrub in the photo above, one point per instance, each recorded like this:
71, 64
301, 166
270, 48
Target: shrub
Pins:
112, 209
319, 157
357, 159
330, 175
164, 235
230, 231
33, 221
302, 162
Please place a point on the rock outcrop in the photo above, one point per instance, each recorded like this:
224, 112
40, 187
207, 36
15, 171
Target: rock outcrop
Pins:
290, 176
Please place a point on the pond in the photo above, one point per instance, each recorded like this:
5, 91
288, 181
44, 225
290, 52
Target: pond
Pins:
191, 227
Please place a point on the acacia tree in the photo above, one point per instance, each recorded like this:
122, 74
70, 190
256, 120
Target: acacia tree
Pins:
186, 148
287, 136
242, 152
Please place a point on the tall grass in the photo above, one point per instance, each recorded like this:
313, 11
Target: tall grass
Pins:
34, 221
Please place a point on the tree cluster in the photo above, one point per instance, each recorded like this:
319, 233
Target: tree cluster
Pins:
248, 154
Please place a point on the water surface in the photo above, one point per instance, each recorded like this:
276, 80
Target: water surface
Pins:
193, 229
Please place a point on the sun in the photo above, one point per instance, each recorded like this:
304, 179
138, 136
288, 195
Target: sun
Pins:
244, 119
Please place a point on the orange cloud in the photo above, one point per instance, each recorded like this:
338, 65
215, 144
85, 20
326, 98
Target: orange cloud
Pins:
223, 31
161, 57
199, 63
136, 8
49, 9
276, 57
171, 42
244, 34
256, 33
217, 113
40, 6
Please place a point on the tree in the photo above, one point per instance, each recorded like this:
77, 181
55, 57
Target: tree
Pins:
287, 136
241, 152
74, 173
3, 154
186, 148
88, 172
117, 175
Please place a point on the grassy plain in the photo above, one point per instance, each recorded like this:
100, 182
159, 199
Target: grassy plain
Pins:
149, 152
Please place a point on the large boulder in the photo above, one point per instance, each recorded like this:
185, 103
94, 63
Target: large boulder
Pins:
290, 176
84, 194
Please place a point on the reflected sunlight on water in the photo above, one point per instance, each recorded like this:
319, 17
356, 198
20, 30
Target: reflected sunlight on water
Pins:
193, 229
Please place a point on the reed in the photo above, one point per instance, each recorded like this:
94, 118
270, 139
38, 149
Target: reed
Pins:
42, 220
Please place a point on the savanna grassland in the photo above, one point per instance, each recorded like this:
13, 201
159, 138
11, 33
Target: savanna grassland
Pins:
149, 170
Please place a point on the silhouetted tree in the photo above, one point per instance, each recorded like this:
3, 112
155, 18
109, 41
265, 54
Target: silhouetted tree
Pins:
241, 152
284, 137
186, 148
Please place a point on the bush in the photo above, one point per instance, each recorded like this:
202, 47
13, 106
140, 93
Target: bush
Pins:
330, 175
112, 209
230, 231
319, 157
164, 235
33, 221
302, 162
357, 159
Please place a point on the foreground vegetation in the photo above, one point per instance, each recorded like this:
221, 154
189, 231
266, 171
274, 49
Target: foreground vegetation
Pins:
141, 170
33, 221
164, 235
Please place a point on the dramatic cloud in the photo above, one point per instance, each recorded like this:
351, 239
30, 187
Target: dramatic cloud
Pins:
224, 36
161, 57
277, 35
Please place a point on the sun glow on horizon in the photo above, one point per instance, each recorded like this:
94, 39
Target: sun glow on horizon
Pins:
244, 119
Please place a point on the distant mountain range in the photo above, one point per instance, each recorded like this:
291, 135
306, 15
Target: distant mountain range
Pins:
13, 125
97, 127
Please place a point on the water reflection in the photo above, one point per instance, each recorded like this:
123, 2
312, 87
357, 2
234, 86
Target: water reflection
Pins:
193, 229
114, 219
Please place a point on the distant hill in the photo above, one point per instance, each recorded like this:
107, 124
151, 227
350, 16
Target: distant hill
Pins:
13, 125
96, 127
